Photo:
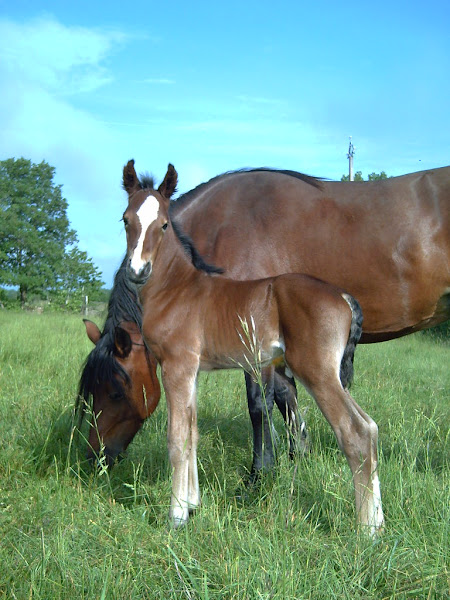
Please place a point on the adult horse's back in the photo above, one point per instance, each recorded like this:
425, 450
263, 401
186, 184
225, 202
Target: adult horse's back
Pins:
387, 242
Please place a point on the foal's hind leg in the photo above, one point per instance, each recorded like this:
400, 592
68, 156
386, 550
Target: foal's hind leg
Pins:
357, 436
260, 406
317, 365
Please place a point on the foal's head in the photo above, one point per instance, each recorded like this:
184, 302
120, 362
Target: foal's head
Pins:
145, 219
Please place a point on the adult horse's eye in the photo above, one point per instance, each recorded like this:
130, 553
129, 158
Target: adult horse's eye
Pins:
125, 222
164, 227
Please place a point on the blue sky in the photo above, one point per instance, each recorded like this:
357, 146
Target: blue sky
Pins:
212, 87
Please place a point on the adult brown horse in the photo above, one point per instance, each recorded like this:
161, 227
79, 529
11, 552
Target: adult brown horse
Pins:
387, 242
191, 322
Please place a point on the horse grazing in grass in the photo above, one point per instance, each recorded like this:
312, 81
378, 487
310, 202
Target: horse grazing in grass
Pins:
192, 321
119, 375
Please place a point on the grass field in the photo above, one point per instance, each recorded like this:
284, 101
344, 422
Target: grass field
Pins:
68, 533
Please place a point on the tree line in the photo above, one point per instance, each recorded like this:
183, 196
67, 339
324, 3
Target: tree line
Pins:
358, 176
39, 254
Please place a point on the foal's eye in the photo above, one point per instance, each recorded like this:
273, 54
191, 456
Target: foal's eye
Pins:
164, 227
125, 222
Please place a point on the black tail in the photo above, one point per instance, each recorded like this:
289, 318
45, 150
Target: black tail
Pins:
346, 371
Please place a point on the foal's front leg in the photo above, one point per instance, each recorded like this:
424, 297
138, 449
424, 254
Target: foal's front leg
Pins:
182, 438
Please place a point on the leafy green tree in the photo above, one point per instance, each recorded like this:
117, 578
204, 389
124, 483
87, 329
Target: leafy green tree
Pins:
356, 177
78, 278
377, 176
38, 250
359, 176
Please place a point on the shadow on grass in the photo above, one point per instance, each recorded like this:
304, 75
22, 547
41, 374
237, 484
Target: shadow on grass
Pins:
439, 334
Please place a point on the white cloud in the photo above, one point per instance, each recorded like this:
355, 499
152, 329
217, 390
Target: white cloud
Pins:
42, 63
261, 100
160, 81
58, 58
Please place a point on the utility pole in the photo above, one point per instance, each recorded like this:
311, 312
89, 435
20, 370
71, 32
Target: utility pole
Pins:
351, 153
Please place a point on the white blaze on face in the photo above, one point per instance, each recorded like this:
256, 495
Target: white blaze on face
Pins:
146, 214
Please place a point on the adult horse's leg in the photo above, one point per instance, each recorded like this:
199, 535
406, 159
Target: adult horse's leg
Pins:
260, 405
182, 437
286, 400
280, 387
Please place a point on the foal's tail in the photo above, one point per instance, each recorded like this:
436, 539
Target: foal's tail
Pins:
346, 371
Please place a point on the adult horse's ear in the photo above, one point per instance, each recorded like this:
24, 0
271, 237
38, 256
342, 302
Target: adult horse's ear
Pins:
169, 184
93, 332
131, 181
122, 342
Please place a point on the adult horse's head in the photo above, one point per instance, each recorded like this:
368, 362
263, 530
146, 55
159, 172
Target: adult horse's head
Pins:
145, 219
120, 376
118, 386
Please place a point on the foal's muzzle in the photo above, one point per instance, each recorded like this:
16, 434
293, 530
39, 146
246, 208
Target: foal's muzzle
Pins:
140, 277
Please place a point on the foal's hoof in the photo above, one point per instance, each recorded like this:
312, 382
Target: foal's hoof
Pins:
177, 522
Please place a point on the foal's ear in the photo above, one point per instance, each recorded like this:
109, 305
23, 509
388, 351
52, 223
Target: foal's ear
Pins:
169, 184
122, 342
131, 181
93, 332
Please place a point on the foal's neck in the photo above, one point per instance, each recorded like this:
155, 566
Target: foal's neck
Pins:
172, 265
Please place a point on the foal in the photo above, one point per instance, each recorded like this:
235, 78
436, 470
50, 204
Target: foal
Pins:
192, 321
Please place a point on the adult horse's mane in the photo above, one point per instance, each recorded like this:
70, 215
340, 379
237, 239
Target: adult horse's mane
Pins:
204, 187
101, 365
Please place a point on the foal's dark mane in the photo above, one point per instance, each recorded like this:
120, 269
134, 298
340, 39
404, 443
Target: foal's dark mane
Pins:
203, 187
147, 181
101, 365
189, 248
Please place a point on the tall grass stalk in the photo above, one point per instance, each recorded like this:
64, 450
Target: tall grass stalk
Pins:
67, 533
252, 365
